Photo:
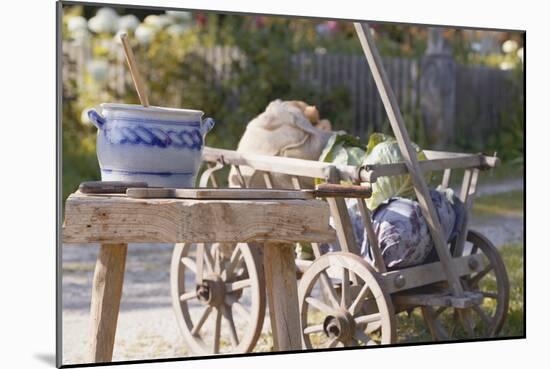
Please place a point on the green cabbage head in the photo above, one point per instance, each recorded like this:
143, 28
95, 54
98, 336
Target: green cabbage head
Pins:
384, 149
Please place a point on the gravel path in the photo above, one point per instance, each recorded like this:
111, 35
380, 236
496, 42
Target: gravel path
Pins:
490, 188
147, 327
499, 229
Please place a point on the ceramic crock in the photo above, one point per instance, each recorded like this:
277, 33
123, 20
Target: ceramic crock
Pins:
160, 146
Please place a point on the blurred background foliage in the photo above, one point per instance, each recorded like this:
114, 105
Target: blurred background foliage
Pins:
178, 75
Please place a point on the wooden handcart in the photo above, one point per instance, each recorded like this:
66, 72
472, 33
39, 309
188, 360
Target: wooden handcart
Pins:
344, 300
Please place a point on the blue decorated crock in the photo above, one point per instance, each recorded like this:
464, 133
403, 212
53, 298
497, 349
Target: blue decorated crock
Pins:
160, 146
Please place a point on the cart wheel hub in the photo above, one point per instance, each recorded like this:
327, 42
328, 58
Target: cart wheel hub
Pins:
341, 325
211, 291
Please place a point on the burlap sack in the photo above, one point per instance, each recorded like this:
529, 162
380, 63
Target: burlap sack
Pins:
281, 130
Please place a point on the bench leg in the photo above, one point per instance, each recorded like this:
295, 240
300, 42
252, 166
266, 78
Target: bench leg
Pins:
282, 293
106, 292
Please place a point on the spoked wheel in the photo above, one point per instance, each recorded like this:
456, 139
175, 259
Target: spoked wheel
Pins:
486, 319
342, 304
218, 296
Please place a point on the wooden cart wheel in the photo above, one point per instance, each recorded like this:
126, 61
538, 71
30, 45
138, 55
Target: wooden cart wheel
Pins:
486, 319
218, 296
342, 304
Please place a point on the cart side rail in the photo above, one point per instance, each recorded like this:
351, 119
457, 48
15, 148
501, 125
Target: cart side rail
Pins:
278, 164
436, 161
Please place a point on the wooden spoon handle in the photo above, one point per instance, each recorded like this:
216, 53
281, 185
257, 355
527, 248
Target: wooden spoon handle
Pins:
136, 77
337, 190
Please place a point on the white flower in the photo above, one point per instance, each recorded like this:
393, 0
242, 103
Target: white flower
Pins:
320, 50
77, 23
179, 16
81, 34
98, 69
100, 25
509, 46
144, 34
105, 21
116, 38
108, 13
104, 43
157, 21
78, 27
176, 29
128, 23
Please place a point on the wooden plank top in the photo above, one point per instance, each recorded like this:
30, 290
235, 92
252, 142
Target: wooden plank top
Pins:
118, 219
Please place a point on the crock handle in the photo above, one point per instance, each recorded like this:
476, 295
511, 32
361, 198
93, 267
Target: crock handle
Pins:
97, 119
206, 125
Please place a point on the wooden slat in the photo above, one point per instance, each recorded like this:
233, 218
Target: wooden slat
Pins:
240, 177
423, 275
409, 154
90, 219
466, 180
314, 169
371, 235
208, 175
446, 179
485, 160
353, 85
296, 182
342, 225
267, 179
375, 171
341, 219
435, 327
290, 166
361, 99
422, 299
467, 199
436, 154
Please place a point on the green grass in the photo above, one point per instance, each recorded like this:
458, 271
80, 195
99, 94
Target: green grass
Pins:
513, 258
412, 328
502, 204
